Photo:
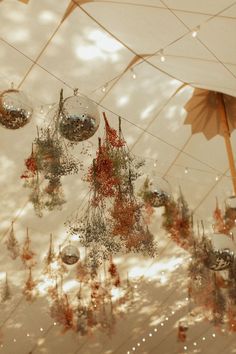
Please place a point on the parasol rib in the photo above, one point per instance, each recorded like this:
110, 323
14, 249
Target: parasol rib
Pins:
227, 140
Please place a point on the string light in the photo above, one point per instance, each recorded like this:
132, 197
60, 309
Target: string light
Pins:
186, 170
104, 88
14, 340
41, 329
195, 32
134, 349
195, 344
155, 329
133, 74
150, 334
185, 347
217, 178
27, 334
54, 323
163, 58
213, 335
138, 344
143, 339
203, 338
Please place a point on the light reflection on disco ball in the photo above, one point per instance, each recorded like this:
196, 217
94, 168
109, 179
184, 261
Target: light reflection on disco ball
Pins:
79, 118
15, 109
70, 254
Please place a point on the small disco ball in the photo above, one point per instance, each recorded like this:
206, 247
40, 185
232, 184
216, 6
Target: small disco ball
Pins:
70, 255
159, 198
15, 109
221, 255
79, 118
219, 260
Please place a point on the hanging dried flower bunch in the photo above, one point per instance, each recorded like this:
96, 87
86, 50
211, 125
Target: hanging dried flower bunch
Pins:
5, 292
104, 226
27, 255
29, 289
48, 162
178, 222
12, 243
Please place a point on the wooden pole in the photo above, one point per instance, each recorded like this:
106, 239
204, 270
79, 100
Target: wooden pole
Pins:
228, 145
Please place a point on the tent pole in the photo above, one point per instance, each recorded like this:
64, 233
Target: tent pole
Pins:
228, 145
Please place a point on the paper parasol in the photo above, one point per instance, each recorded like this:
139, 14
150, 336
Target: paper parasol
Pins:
213, 113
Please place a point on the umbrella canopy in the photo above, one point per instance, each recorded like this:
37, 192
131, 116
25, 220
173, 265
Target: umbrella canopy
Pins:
204, 114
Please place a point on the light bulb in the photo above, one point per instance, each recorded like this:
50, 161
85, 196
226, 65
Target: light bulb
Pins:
203, 338
133, 75
185, 347
27, 334
217, 178
138, 344
194, 34
41, 329
195, 344
133, 349
150, 334
155, 329
104, 89
162, 324
143, 339
186, 170
213, 335
14, 340
163, 58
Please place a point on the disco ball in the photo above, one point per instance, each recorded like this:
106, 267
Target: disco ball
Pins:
79, 118
222, 254
15, 109
70, 254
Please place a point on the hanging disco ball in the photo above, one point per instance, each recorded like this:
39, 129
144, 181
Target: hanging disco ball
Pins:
222, 254
155, 191
70, 255
79, 118
15, 109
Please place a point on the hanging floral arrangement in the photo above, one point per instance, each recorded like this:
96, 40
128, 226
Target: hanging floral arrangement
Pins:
12, 243
49, 161
27, 255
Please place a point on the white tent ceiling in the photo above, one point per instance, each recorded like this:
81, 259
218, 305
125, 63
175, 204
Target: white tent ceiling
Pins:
47, 45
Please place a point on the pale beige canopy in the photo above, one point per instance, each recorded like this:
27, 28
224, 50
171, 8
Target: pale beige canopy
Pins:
141, 60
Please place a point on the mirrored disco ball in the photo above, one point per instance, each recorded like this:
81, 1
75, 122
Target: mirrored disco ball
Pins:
222, 254
79, 118
70, 254
15, 109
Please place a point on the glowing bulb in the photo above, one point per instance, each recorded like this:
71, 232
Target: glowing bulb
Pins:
50, 106
213, 335
41, 329
155, 164
163, 58
195, 32
133, 75
217, 178
138, 344
185, 347
167, 318
27, 334
104, 89
133, 349
41, 110
128, 352
155, 329
150, 334
186, 299
14, 340
143, 339
195, 344
203, 338
54, 323
186, 170
162, 324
